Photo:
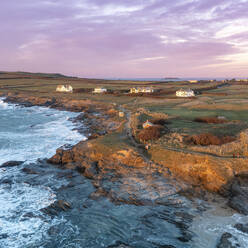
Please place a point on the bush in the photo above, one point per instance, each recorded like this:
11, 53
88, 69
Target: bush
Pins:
82, 90
207, 139
161, 122
210, 120
150, 133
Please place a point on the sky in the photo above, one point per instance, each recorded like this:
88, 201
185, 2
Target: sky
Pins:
125, 38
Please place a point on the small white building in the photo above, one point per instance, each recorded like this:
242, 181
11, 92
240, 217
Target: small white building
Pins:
147, 124
121, 114
185, 93
193, 81
141, 90
99, 90
64, 88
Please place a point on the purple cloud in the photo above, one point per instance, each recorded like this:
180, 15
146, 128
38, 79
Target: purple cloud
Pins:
131, 38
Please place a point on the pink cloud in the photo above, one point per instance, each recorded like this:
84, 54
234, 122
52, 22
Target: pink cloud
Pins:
118, 38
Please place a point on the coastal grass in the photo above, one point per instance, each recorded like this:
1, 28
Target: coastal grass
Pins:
229, 101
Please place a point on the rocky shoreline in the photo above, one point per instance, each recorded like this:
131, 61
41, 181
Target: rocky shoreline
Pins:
106, 166
123, 175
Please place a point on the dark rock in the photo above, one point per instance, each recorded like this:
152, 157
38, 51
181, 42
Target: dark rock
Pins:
227, 240
4, 236
92, 171
80, 169
57, 207
238, 194
5, 181
29, 171
242, 227
11, 164
93, 136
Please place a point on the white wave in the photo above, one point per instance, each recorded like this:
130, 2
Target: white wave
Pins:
3, 105
36, 132
27, 134
213, 223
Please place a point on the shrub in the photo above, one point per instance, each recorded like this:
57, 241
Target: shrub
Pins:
207, 139
150, 133
210, 120
161, 122
82, 90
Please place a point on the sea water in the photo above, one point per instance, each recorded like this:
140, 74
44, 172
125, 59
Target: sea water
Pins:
28, 134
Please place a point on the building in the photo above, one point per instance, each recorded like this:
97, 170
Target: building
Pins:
64, 88
185, 93
141, 90
193, 81
99, 90
147, 124
121, 114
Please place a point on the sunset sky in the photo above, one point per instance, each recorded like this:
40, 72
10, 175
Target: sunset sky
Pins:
125, 38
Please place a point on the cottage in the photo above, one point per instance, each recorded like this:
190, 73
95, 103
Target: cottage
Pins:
121, 114
147, 124
64, 88
185, 93
99, 90
141, 90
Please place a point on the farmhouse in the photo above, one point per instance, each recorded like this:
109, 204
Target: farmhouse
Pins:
121, 114
147, 124
193, 81
99, 90
185, 93
64, 88
141, 90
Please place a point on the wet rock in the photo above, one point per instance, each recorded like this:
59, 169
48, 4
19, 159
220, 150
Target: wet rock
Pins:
11, 164
57, 207
92, 171
238, 194
93, 136
6, 181
29, 171
4, 236
53, 230
242, 227
227, 240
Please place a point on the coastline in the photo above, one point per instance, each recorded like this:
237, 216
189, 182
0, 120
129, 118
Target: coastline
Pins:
109, 156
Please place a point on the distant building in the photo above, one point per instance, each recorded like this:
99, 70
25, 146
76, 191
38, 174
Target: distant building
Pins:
185, 93
141, 90
64, 88
147, 124
193, 81
99, 90
121, 114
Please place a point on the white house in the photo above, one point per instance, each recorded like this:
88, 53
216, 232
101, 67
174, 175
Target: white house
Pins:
64, 88
147, 124
193, 81
185, 93
99, 90
142, 90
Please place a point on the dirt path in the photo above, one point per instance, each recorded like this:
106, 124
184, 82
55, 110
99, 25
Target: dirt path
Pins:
128, 131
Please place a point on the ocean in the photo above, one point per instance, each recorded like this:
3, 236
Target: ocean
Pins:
33, 134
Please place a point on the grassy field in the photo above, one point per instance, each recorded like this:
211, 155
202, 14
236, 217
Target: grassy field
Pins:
229, 101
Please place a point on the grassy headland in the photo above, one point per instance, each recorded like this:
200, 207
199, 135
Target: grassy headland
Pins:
212, 166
